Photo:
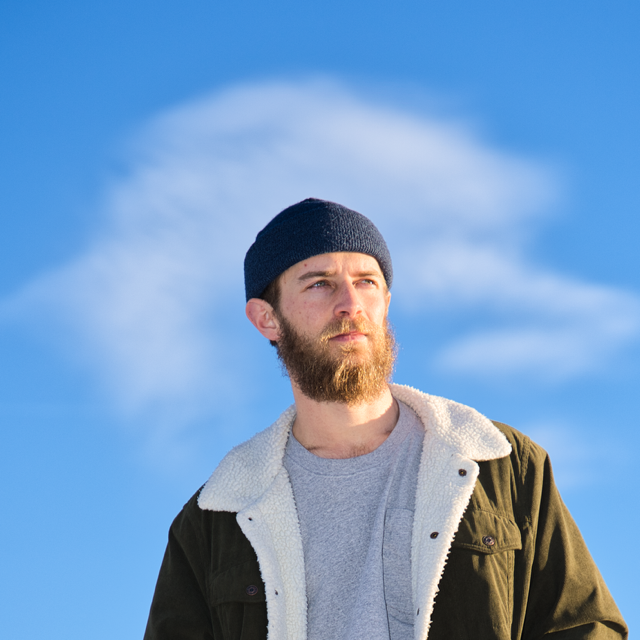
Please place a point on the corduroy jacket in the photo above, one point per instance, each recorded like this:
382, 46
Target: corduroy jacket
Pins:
495, 553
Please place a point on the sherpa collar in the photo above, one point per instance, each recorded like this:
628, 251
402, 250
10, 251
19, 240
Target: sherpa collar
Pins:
249, 469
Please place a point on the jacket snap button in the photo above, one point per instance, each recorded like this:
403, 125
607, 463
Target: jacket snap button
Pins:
251, 590
434, 535
489, 541
462, 472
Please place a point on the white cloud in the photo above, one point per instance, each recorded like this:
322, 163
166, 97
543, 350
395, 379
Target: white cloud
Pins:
157, 300
545, 323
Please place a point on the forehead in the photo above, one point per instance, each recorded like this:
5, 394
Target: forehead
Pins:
334, 263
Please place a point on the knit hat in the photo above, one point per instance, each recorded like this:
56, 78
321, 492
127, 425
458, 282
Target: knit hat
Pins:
307, 229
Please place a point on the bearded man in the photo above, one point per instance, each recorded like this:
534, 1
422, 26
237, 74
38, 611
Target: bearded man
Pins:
368, 511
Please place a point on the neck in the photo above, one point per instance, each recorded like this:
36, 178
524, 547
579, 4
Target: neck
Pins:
337, 430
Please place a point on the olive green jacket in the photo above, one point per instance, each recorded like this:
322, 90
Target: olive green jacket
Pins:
495, 553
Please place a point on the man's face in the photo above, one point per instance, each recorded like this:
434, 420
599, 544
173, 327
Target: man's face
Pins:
333, 336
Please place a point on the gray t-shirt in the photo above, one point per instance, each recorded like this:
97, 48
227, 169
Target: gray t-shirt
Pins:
356, 518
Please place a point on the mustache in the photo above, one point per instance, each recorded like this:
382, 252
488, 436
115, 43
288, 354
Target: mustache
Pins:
338, 326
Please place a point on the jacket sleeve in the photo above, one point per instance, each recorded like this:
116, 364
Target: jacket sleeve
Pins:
179, 610
567, 597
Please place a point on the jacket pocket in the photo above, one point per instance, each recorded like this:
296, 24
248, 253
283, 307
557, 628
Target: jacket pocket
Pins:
487, 532
238, 603
478, 579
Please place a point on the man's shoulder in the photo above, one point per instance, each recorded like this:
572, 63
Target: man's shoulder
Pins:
211, 540
520, 442
193, 521
523, 473
523, 448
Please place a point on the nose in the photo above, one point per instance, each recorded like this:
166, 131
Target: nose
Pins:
348, 302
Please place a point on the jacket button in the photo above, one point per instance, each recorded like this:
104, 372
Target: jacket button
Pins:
434, 535
462, 472
489, 541
251, 590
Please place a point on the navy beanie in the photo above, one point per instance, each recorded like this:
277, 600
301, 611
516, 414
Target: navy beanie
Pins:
308, 229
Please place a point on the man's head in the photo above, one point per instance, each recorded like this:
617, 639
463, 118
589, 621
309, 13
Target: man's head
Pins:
307, 229
326, 311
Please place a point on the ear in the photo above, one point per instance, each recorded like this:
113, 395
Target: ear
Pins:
263, 318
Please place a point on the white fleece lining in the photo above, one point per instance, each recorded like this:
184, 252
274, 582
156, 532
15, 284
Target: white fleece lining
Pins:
441, 498
271, 526
252, 482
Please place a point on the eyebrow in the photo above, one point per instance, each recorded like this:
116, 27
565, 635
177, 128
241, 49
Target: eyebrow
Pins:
328, 274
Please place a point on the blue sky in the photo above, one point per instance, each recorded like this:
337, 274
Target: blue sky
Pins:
144, 144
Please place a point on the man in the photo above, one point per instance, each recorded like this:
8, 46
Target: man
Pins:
368, 511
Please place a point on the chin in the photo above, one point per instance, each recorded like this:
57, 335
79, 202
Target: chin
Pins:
354, 354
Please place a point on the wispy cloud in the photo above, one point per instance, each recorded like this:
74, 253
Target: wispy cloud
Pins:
157, 302
544, 323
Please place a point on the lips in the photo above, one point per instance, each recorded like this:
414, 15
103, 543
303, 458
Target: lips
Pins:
346, 330
350, 336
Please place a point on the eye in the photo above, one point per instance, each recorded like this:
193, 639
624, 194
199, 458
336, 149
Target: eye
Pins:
318, 285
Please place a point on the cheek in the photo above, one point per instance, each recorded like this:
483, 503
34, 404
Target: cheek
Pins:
306, 316
379, 311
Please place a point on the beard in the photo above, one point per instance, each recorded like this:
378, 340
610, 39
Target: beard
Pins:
350, 373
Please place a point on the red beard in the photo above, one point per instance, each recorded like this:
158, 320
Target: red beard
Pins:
351, 373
